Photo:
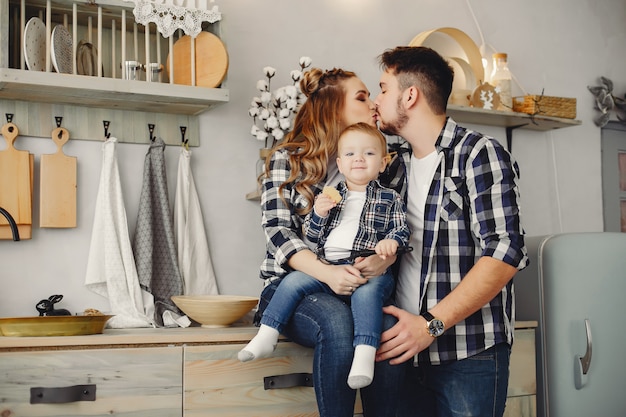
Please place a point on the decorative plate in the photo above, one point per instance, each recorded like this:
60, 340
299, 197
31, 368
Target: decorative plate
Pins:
35, 44
61, 50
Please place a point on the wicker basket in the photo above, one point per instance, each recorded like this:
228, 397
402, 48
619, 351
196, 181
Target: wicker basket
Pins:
546, 106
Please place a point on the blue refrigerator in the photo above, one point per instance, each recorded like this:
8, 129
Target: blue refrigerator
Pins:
575, 288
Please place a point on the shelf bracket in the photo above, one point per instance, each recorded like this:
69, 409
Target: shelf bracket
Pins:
509, 135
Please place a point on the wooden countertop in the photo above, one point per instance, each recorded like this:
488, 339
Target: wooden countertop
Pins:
117, 338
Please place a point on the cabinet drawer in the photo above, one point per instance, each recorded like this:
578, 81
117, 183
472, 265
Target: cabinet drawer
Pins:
136, 382
216, 383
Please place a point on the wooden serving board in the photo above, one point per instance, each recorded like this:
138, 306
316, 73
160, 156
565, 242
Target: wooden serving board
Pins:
57, 206
211, 60
15, 185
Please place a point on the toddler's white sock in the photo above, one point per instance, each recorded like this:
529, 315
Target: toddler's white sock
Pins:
362, 370
261, 345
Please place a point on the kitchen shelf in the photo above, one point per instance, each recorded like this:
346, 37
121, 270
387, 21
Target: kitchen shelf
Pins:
43, 87
509, 120
506, 119
35, 98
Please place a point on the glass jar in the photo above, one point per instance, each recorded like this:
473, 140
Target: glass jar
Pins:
501, 80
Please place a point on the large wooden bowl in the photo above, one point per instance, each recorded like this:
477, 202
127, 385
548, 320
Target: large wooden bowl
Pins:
215, 310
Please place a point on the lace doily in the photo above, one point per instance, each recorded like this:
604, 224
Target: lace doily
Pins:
168, 17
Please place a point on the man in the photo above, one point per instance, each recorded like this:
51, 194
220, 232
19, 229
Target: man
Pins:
455, 292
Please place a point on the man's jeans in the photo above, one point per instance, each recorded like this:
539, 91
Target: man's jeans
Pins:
473, 387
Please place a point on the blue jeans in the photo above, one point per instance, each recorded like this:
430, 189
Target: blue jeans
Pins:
473, 387
366, 304
324, 322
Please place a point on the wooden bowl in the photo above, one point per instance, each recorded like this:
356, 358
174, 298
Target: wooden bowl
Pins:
215, 310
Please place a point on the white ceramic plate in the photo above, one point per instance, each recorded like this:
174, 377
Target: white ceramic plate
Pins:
35, 44
61, 50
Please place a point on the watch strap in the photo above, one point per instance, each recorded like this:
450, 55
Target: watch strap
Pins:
427, 316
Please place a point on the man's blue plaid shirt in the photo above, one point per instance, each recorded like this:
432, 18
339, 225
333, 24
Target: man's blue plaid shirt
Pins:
472, 210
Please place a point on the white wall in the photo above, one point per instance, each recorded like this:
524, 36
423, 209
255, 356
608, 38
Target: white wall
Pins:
559, 46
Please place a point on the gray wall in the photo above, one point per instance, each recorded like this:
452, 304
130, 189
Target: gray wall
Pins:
559, 46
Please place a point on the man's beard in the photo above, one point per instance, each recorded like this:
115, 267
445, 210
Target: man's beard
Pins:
394, 127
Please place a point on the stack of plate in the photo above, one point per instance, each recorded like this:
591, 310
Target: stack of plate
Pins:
35, 47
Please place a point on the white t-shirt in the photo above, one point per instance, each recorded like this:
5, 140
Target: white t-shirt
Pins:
408, 286
340, 240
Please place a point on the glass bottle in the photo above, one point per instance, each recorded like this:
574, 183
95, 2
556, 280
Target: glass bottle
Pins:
501, 79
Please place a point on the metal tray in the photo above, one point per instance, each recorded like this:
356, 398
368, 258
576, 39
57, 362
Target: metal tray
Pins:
52, 325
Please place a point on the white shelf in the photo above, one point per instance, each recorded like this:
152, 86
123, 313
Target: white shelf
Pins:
47, 87
508, 119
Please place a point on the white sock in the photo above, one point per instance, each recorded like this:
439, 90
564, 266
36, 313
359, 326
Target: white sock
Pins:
261, 345
362, 370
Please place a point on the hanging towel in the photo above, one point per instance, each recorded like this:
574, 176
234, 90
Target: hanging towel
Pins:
153, 244
194, 258
111, 270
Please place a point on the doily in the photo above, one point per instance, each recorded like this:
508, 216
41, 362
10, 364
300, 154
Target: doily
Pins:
168, 18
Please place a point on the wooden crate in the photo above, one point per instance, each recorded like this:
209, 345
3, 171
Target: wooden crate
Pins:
546, 106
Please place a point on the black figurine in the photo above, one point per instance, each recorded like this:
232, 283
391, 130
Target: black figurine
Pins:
46, 307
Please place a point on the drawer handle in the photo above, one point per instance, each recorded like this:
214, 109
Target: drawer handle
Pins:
288, 381
58, 395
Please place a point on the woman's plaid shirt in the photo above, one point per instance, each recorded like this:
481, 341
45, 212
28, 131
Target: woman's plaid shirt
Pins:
280, 221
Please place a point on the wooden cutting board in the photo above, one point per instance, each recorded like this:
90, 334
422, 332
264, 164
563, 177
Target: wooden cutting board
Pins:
211, 60
15, 185
57, 200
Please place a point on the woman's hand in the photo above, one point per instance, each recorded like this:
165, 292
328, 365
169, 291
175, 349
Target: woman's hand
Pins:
343, 279
373, 265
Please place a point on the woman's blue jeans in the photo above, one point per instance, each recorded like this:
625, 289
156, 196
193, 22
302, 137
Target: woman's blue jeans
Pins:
472, 387
366, 303
324, 322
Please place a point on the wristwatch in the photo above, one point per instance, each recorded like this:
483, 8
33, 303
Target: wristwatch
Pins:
434, 326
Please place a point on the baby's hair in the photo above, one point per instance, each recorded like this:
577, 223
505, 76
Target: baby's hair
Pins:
369, 130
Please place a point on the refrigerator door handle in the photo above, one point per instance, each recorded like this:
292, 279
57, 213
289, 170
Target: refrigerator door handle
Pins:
582, 364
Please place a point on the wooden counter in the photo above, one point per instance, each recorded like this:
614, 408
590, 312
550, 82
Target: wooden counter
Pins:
189, 372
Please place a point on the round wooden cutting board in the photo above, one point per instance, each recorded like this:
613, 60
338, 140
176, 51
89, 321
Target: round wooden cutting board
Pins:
211, 60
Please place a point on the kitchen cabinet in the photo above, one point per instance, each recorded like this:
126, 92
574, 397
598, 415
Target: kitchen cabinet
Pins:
36, 97
186, 372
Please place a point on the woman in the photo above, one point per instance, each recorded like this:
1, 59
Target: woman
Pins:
297, 170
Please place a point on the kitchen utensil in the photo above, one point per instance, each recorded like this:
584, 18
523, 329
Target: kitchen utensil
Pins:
58, 185
211, 60
86, 58
215, 310
35, 44
153, 69
52, 325
61, 50
15, 185
131, 68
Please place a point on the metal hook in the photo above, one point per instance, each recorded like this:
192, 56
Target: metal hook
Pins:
106, 124
184, 142
9, 117
59, 120
151, 129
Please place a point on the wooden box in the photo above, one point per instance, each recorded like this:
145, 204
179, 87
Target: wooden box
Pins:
546, 106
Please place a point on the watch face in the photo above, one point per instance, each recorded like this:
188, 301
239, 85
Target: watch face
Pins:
436, 327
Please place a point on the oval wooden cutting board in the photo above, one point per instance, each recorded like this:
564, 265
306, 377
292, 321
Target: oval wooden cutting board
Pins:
211, 60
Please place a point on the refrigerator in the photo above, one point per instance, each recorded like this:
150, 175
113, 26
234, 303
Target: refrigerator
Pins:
575, 288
